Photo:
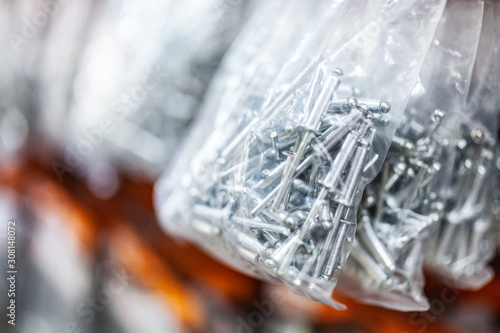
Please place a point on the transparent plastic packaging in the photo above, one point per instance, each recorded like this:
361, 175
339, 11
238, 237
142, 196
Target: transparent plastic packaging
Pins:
64, 40
41, 46
15, 111
297, 121
27, 22
495, 208
406, 199
495, 82
135, 85
464, 242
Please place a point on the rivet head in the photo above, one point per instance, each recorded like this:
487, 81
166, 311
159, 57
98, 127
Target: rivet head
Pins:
385, 107
383, 121
363, 108
352, 102
290, 222
437, 115
477, 135
326, 225
338, 72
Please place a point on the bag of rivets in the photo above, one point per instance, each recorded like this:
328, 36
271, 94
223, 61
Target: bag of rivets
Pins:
403, 204
464, 241
297, 121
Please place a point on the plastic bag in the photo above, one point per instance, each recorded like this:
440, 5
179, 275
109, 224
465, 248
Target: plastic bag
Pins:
64, 40
136, 85
15, 93
464, 243
495, 208
39, 45
271, 186
406, 199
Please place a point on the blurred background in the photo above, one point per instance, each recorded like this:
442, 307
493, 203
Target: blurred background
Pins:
95, 96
